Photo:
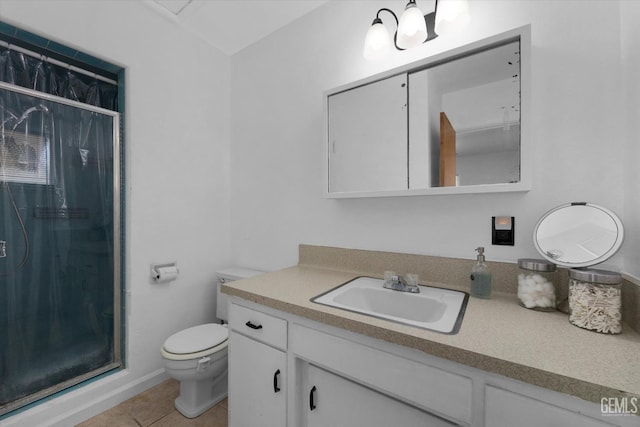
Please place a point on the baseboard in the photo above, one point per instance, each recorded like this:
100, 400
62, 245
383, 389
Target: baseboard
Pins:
85, 402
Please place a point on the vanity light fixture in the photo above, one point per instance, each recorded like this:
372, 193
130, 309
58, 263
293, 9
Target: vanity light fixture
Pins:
414, 28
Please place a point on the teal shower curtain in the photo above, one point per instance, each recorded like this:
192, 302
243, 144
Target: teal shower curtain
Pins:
58, 231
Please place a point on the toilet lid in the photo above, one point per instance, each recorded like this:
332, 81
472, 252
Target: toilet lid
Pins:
196, 339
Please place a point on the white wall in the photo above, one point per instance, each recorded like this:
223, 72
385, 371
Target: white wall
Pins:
177, 170
630, 16
277, 117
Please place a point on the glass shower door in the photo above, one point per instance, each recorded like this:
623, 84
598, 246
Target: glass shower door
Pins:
59, 244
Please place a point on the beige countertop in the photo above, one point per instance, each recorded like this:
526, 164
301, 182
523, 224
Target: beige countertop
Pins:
497, 335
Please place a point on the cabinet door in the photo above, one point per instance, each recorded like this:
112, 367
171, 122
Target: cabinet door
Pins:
331, 400
507, 409
257, 378
367, 131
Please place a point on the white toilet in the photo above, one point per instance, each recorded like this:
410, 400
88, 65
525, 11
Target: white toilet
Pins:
197, 356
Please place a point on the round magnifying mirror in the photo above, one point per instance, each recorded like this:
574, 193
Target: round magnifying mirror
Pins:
578, 235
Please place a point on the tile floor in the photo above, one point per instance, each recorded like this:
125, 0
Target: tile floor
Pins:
155, 408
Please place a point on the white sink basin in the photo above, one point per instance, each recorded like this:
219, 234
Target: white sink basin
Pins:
436, 309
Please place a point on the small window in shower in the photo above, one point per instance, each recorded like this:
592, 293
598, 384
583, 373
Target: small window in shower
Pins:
24, 157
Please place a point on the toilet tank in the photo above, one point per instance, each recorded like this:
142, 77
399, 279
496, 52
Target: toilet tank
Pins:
229, 275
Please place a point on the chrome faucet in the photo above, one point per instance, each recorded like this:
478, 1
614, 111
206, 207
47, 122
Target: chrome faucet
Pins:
397, 283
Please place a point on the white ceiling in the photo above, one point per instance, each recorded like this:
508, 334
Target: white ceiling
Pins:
232, 25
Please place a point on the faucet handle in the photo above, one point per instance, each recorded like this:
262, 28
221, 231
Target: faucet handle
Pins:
413, 282
392, 280
413, 279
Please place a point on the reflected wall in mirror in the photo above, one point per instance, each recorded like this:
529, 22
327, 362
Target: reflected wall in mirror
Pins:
464, 121
448, 124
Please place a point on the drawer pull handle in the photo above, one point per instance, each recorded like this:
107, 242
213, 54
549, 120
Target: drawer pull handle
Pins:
275, 381
253, 326
312, 393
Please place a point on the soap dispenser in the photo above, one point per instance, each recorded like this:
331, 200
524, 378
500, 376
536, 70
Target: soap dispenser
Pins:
480, 277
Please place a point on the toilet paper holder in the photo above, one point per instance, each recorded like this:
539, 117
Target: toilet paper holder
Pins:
164, 272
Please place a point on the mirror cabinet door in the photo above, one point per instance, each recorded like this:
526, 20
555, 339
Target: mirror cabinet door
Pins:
368, 137
464, 120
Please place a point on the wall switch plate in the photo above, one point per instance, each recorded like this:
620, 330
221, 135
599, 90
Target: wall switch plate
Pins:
503, 230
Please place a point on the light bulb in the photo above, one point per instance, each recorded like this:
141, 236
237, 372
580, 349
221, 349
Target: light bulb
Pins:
451, 16
412, 28
378, 42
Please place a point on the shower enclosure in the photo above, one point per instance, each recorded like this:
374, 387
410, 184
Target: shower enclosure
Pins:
59, 244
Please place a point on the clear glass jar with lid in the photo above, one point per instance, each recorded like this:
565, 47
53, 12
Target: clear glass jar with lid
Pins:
537, 280
595, 300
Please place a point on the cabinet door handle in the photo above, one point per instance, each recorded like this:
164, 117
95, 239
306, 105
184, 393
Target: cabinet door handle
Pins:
253, 326
312, 393
275, 381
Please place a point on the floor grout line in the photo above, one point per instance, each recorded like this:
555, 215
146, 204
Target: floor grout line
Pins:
142, 410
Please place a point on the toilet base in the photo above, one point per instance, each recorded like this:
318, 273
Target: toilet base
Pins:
196, 397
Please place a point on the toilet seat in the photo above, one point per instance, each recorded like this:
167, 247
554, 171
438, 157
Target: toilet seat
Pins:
195, 342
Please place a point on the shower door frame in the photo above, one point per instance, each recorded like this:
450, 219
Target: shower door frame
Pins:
117, 249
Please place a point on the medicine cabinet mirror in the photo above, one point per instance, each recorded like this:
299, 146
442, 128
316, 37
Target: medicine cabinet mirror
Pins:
449, 124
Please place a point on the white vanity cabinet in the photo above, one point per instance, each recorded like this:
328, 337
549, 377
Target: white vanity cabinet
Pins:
257, 369
285, 370
332, 400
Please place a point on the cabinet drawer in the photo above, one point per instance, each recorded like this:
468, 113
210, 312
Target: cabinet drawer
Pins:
259, 326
